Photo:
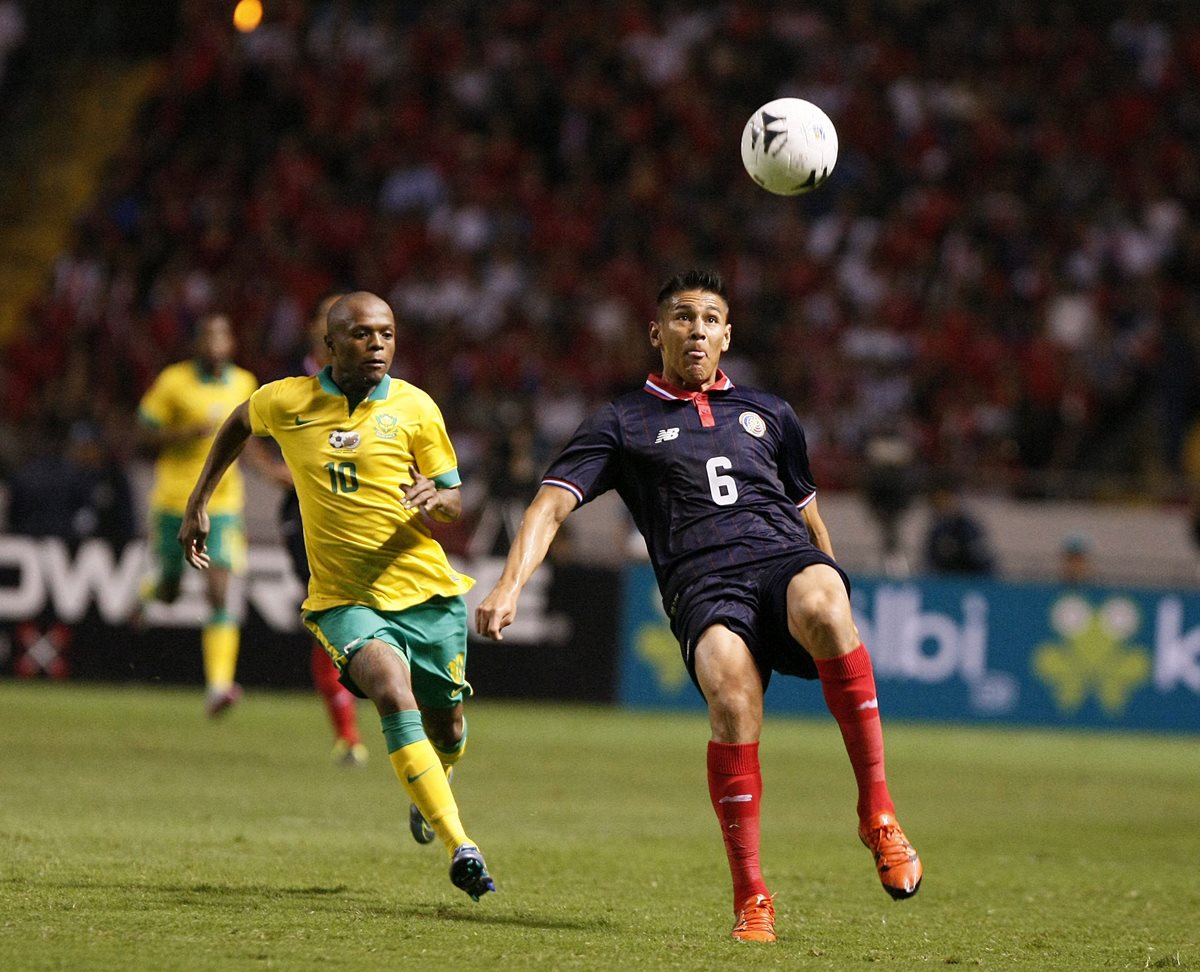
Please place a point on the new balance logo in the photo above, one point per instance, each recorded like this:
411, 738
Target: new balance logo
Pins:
869, 704
737, 798
666, 435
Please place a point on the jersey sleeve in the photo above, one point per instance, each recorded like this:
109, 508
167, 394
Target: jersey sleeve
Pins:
262, 409
156, 407
432, 448
794, 469
587, 465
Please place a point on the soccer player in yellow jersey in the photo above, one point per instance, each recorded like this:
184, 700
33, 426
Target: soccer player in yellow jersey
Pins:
370, 459
178, 418
340, 703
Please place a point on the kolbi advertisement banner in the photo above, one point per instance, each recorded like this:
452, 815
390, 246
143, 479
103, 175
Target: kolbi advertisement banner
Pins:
979, 651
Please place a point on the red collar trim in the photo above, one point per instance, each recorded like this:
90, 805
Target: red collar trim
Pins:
661, 389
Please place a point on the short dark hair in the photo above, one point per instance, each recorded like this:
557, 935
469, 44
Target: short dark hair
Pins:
708, 280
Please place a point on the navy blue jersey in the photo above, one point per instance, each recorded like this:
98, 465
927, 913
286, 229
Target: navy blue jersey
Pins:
715, 480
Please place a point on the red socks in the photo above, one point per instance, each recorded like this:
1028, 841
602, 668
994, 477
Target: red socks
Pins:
339, 701
735, 787
735, 782
849, 686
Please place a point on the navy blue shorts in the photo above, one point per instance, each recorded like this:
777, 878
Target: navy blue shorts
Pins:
753, 605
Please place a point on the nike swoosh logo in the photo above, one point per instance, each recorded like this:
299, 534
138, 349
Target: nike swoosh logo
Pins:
300, 421
737, 798
413, 779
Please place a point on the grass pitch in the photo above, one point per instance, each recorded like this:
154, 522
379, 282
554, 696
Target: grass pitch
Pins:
136, 835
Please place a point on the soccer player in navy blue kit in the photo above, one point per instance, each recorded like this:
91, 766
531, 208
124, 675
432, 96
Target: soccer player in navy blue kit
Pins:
718, 482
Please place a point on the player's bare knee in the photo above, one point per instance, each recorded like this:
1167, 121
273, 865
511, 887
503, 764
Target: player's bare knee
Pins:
217, 590
444, 727
391, 696
735, 716
821, 620
383, 677
733, 700
390, 688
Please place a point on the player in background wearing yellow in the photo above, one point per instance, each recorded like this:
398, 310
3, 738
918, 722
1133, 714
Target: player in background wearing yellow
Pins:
370, 458
340, 704
178, 417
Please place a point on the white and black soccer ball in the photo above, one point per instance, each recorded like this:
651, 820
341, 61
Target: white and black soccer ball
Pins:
789, 146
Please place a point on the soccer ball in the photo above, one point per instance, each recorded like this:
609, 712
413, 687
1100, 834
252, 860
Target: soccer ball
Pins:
789, 146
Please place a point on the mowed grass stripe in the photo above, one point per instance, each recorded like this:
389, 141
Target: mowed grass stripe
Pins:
135, 835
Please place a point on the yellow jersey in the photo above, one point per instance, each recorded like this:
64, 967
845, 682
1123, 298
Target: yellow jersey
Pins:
363, 546
185, 394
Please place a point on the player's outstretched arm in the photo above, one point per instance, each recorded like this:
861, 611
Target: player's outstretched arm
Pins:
542, 519
227, 446
817, 531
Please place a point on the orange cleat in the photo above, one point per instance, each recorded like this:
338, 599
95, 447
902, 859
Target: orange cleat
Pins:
895, 858
755, 920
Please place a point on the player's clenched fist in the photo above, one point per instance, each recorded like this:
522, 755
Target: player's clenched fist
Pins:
193, 537
494, 614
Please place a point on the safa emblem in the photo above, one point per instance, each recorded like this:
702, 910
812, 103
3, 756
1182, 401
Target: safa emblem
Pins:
753, 423
344, 439
386, 426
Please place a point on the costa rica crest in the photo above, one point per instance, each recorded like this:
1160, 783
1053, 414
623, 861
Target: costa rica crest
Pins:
753, 423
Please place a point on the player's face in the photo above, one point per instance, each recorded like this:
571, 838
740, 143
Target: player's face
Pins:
363, 346
214, 342
692, 332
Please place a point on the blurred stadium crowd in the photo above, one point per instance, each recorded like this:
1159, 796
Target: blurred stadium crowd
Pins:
1002, 276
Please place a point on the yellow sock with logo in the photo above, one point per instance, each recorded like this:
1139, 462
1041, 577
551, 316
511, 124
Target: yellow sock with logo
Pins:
417, 765
219, 642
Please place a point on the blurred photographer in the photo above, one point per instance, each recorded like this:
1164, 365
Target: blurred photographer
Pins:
957, 542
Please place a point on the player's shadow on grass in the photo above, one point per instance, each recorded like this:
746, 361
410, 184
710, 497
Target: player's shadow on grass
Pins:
477, 914
327, 899
207, 892
201, 889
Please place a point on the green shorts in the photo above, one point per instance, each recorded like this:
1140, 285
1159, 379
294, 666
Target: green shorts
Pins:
431, 637
226, 542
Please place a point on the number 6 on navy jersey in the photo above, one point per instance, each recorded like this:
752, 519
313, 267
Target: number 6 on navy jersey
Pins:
723, 488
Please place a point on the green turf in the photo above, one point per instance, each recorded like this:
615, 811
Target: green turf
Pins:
136, 835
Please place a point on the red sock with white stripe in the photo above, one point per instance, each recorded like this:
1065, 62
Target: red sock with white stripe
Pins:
735, 787
848, 682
